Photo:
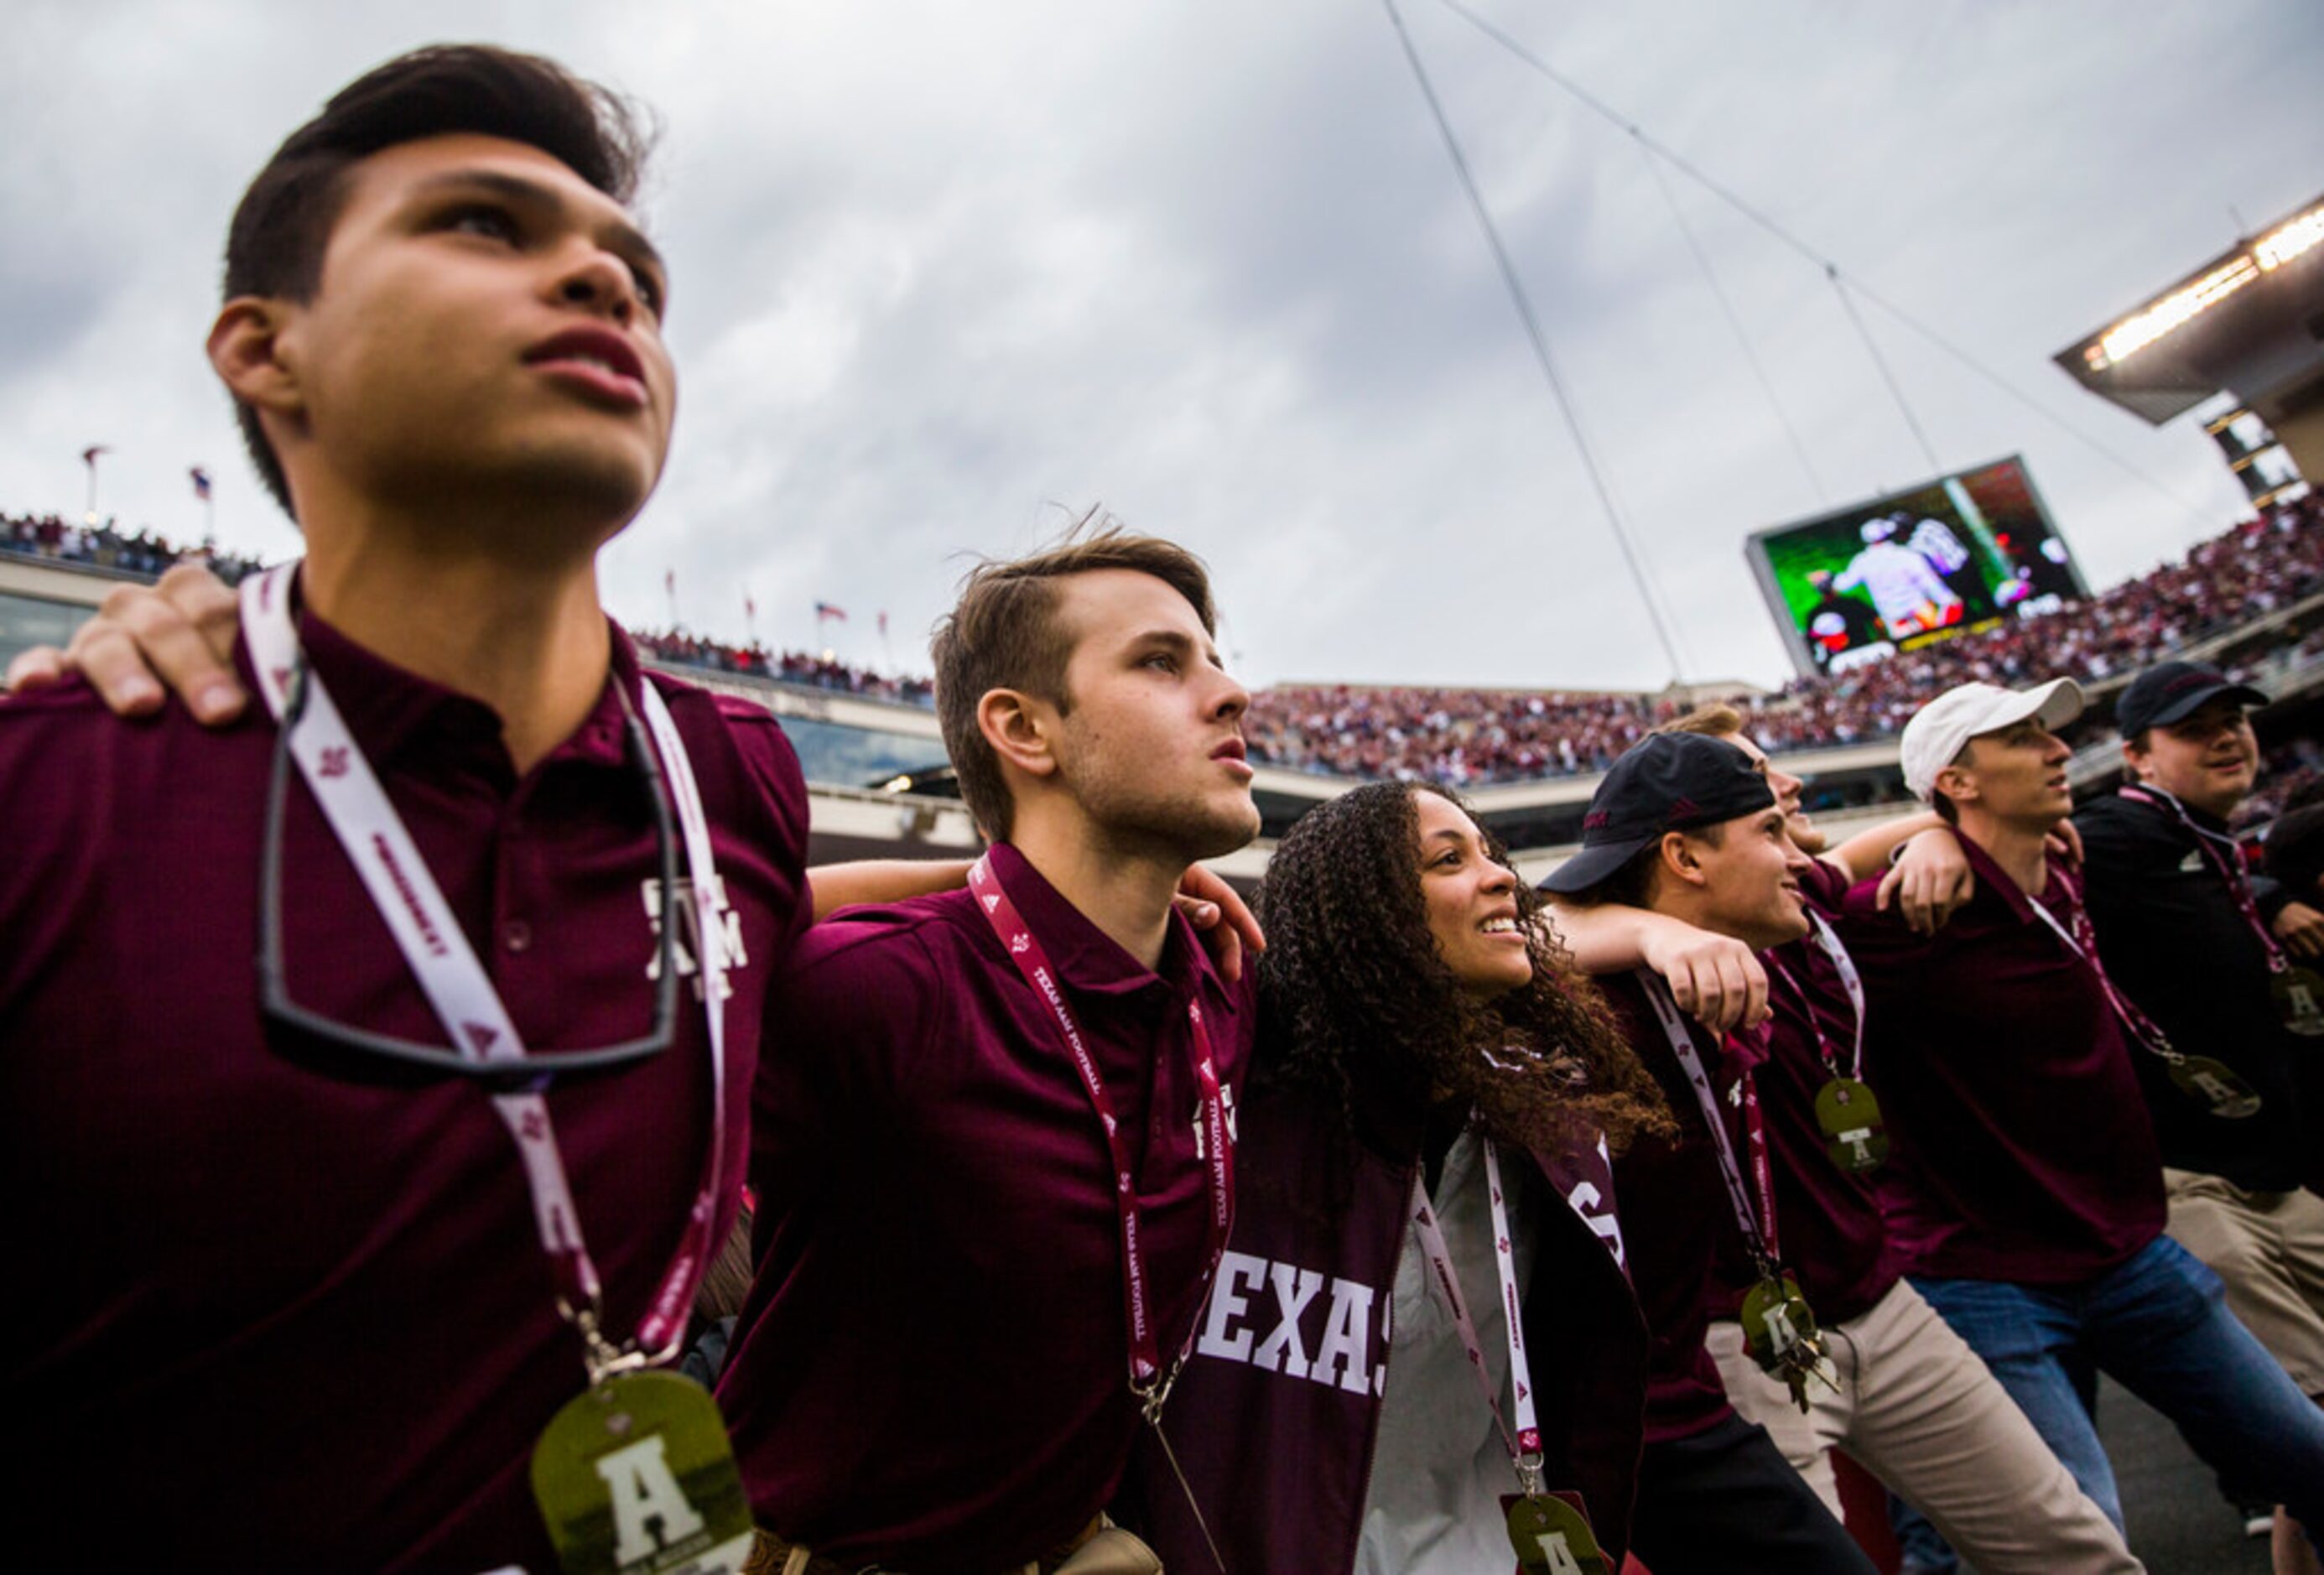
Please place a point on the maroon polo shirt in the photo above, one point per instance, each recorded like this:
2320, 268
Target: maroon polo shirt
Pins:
277, 1309
1829, 1220
2020, 1145
932, 1370
1676, 1221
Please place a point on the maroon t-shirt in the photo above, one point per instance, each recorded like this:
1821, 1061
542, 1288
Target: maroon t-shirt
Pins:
1675, 1221
274, 1308
932, 1370
1828, 1221
2021, 1149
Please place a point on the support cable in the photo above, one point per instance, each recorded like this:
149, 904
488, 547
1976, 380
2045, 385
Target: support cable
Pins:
1872, 348
1540, 343
1679, 162
1734, 320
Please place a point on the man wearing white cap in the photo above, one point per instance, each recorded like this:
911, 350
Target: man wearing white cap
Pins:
2026, 1191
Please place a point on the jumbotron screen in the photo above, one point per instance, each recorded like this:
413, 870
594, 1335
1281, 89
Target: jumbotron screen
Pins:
1948, 556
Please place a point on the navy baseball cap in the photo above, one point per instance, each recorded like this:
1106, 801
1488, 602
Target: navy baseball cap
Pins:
2170, 692
1673, 781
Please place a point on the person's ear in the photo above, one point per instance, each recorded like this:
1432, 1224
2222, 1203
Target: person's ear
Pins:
1958, 783
250, 350
1021, 730
1680, 861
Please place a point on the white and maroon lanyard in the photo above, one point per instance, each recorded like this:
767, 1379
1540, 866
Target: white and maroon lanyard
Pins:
1849, 980
1758, 1225
2227, 866
1146, 1376
454, 979
2083, 943
1523, 1443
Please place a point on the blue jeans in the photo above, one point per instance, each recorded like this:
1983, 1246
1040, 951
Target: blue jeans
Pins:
2159, 1325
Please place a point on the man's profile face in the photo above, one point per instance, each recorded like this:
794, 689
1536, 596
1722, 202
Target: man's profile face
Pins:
2210, 758
1751, 878
486, 322
1150, 744
2019, 773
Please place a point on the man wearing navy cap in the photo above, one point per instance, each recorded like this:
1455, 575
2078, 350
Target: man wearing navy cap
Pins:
1900, 1392
2029, 1193
1685, 825
2203, 949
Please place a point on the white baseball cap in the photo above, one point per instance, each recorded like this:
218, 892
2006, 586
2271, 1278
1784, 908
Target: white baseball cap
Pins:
1942, 728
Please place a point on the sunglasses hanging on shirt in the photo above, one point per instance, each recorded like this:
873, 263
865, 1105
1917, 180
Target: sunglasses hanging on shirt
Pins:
636, 1473
273, 991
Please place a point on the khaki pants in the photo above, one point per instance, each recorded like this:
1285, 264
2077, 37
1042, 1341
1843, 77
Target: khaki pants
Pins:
2269, 1250
1915, 1406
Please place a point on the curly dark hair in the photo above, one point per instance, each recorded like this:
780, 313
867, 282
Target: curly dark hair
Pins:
1352, 989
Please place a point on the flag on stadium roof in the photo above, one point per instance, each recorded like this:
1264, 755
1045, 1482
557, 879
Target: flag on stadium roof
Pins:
823, 610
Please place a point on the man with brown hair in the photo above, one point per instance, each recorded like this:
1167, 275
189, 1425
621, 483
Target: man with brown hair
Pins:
323, 1246
1002, 1141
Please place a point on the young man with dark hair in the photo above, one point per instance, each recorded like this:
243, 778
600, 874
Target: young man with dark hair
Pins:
1685, 824
2027, 1190
325, 1247
1897, 1389
1007, 1178
2194, 940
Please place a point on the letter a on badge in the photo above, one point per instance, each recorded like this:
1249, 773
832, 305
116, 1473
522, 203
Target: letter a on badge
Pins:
1557, 1555
644, 1493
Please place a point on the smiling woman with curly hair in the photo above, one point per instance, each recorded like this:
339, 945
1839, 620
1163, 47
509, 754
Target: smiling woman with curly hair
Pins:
1373, 977
1424, 1041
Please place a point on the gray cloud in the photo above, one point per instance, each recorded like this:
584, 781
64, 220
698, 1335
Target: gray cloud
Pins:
947, 275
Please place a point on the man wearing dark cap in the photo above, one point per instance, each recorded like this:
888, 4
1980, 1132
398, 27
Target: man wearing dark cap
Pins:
2029, 1193
1900, 1391
1684, 825
2192, 937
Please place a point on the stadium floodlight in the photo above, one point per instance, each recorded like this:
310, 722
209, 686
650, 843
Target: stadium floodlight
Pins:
2137, 332
2295, 237
2289, 240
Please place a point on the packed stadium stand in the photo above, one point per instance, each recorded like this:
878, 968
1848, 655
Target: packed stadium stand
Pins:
1471, 738
2251, 598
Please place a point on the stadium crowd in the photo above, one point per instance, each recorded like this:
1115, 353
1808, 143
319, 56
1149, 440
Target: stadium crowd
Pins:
1464, 738
791, 666
144, 553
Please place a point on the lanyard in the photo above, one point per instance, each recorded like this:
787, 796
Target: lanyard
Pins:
2227, 868
1147, 1380
2082, 942
452, 977
1849, 980
1759, 1227
1524, 1444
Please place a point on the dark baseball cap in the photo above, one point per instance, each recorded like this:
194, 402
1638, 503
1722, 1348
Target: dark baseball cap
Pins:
1673, 781
2170, 692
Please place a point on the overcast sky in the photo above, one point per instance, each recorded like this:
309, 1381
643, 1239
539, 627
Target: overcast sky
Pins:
947, 274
